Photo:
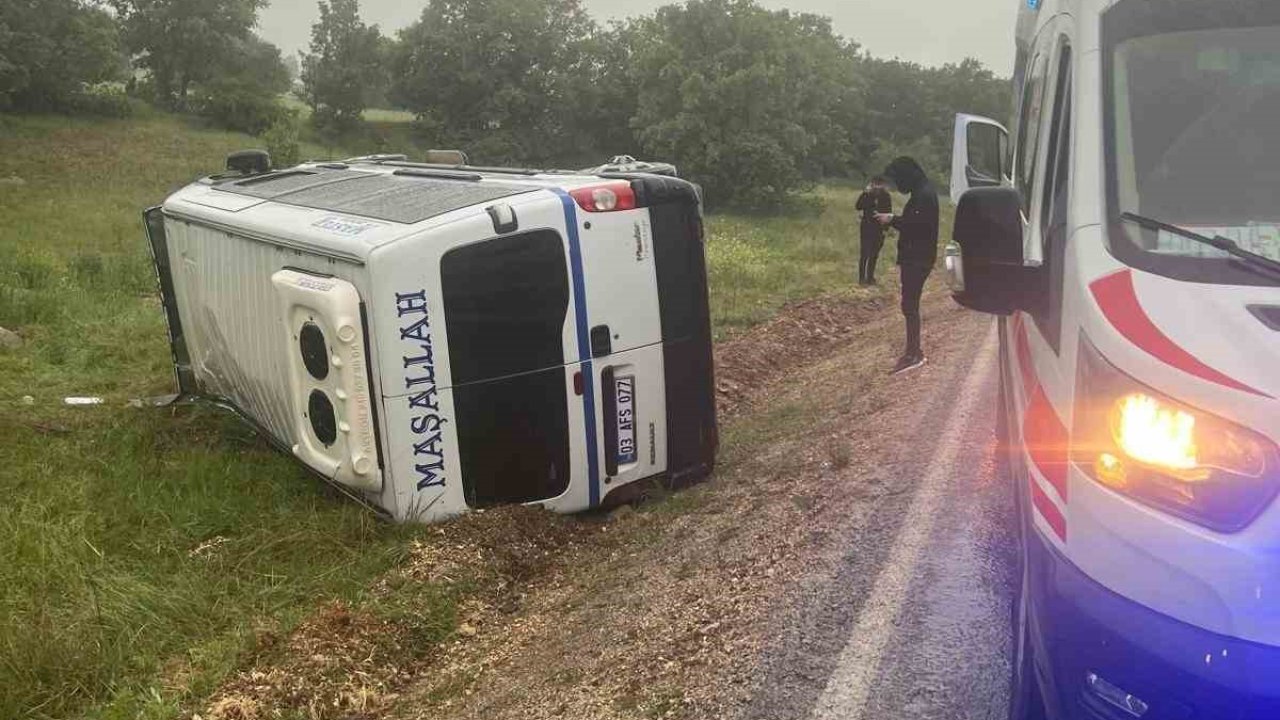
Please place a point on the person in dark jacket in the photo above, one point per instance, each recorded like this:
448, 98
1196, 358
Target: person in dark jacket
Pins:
873, 201
917, 228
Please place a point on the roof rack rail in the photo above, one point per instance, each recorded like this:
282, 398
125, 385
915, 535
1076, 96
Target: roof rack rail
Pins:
442, 173
384, 157
461, 168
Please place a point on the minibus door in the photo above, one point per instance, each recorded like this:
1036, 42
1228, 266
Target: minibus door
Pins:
625, 342
507, 305
978, 156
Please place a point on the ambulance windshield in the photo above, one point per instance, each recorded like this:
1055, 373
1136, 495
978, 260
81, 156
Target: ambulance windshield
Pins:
1194, 125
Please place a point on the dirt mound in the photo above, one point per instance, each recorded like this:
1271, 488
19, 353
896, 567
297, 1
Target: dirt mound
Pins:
801, 334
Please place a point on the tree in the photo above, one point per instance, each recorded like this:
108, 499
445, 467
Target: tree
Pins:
750, 103
243, 91
493, 75
745, 100
918, 115
344, 69
968, 87
184, 42
601, 94
51, 49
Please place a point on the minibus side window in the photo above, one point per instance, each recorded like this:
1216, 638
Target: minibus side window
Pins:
1053, 216
1029, 129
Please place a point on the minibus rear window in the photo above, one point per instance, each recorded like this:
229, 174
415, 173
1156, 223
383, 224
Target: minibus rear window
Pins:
505, 303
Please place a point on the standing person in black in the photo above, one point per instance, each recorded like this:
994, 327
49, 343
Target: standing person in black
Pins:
873, 201
917, 228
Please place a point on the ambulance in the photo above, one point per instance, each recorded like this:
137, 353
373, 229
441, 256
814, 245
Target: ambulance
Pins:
1127, 232
433, 339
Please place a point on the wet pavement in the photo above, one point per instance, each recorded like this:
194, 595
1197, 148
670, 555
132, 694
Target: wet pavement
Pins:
915, 620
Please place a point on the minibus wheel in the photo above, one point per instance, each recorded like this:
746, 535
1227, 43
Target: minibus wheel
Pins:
1025, 701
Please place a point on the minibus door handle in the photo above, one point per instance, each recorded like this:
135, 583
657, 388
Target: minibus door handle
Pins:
601, 341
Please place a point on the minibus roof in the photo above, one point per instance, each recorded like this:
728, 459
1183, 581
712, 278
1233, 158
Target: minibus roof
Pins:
355, 206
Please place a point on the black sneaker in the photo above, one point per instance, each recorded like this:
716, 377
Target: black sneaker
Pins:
908, 362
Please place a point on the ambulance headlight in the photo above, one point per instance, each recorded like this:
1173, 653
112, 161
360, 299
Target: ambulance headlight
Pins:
1166, 454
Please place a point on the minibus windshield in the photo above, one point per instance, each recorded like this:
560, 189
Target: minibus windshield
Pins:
1193, 134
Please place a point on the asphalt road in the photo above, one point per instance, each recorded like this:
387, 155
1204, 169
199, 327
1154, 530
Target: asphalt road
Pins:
914, 620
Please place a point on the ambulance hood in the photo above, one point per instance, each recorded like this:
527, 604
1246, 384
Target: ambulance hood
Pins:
1224, 335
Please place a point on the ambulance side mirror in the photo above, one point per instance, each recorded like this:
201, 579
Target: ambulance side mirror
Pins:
984, 261
978, 153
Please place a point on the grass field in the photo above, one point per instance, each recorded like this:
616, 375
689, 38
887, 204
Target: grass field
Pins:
141, 552
758, 264
373, 115
144, 553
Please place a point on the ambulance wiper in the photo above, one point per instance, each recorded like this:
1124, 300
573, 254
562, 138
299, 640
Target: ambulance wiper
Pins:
1226, 245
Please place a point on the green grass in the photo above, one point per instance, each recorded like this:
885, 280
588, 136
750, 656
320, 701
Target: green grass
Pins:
378, 115
758, 264
141, 551
374, 115
383, 131
145, 553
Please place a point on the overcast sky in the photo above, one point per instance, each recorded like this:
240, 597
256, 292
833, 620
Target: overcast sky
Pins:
931, 32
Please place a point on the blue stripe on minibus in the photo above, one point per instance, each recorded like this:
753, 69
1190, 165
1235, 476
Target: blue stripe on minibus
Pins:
584, 342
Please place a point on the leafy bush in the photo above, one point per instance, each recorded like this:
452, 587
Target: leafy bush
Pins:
238, 106
935, 163
244, 94
103, 100
281, 140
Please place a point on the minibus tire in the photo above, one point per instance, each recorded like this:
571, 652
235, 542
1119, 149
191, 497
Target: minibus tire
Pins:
1025, 702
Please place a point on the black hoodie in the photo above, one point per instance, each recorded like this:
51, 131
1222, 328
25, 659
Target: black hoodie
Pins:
918, 224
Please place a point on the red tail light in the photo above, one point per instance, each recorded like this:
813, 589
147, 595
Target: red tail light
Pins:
612, 197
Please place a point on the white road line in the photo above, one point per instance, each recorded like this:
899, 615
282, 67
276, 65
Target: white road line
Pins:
845, 696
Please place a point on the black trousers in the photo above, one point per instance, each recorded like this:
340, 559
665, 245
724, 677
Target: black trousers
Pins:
872, 241
912, 287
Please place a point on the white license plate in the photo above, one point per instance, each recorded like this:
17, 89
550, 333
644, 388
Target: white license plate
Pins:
626, 389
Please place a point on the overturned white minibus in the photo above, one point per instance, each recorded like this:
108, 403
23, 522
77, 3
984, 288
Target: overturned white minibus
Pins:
434, 339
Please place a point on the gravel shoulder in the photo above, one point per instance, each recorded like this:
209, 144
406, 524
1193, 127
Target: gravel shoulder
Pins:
680, 613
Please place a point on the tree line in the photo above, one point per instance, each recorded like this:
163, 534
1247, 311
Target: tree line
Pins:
754, 104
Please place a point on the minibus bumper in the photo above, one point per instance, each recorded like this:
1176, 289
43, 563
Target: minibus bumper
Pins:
1098, 653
